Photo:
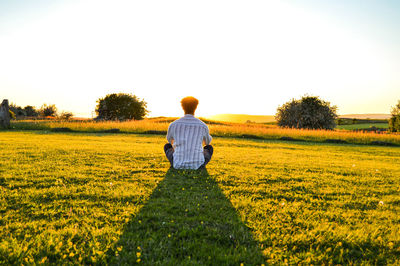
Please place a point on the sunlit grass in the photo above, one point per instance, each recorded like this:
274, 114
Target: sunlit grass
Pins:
222, 129
105, 198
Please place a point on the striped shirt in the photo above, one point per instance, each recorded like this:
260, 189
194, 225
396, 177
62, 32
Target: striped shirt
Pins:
186, 136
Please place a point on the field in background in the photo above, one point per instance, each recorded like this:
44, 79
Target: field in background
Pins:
238, 118
363, 126
109, 198
243, 118
221, 129
366, 116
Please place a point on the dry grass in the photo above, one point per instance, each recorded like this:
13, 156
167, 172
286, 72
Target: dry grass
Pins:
274, 132
221, 129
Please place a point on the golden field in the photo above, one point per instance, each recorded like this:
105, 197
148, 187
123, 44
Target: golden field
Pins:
220, 129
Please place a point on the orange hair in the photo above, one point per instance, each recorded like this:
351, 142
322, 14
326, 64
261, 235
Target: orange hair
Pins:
189, 104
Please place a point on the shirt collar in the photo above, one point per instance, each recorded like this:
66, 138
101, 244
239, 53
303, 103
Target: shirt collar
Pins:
189, 115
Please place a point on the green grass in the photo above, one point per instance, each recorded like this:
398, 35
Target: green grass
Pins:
75, 198
363, 126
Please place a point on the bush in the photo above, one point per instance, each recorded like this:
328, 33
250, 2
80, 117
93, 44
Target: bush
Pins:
17, 110
309, 112
28, 110
66, 115
121, 106
31, 111
48, 110
394, 121
12, 114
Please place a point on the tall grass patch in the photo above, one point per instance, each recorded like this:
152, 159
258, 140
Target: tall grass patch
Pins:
221, 129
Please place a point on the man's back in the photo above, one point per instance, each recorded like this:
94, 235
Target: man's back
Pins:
187, 134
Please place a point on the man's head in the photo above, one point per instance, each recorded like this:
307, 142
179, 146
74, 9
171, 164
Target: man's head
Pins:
189, 105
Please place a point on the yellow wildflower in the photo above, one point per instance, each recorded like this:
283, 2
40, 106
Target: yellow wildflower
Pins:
43, 260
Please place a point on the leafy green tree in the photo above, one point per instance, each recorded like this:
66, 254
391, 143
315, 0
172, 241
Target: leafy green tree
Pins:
31, 111
28, 110
17, 110
310, 112
121, 106
48, 110
394, 121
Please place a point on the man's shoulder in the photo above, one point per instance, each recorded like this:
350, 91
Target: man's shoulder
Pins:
177, 121
196, 120
189, 120
202, 123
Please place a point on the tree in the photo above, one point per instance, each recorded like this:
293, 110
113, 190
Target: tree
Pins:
31, 111
121, 106
309, 112
48, 110
17, 110
394, 121
66, 115
28, 110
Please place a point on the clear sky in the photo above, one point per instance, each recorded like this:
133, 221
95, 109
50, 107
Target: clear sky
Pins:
244, 57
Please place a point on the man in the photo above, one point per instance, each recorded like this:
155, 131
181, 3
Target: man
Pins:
186, 137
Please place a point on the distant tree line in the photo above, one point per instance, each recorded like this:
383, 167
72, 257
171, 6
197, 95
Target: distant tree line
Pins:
45, 111
114, 106
308, 112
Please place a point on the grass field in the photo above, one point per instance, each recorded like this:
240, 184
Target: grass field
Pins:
76, 198
220, 129
363, 126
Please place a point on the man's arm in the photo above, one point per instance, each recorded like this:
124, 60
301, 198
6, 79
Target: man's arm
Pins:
207, 138
170, 137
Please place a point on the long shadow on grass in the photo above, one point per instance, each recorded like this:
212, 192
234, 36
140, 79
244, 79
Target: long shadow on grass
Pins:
187, 220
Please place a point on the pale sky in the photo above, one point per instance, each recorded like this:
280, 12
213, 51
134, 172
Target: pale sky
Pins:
242, 57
